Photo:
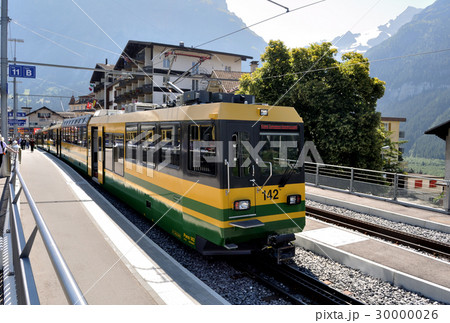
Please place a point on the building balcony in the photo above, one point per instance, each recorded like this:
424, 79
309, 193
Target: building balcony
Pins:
120, 98
148, 69
124, 83
147, 88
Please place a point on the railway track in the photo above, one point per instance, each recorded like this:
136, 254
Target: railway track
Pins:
417, 242
293, 285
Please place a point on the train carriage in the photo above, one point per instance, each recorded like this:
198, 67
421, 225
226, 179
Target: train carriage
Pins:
47, 139
73, 142
221, 177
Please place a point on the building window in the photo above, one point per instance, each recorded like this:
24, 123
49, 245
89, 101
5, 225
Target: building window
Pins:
228, 68
46, 115
194, 85
166, 63
194, 71
166, 98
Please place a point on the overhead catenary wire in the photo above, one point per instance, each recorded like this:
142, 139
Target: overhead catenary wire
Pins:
354, 64
144, 73
317, 61
258, 23
115, 43
127, 57
48, 39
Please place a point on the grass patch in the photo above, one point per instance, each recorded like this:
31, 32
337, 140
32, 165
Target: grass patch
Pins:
427, 166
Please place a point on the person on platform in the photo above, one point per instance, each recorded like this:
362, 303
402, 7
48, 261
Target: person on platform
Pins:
23, 143
32, 144
3, 148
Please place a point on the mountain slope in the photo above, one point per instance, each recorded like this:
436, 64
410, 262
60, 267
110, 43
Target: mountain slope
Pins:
83, 33
361, 42
417, 86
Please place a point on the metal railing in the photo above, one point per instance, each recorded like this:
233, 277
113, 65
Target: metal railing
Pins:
416, 190
18, 274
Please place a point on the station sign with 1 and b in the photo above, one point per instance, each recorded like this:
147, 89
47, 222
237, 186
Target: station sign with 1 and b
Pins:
26, 71
18, 114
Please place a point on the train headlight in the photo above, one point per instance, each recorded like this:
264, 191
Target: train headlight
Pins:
294, 199
241, 205
263, 112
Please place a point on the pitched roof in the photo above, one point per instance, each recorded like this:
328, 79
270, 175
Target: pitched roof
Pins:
97, 76
133, 47
228, 81
440, 130
44, 107
393, 119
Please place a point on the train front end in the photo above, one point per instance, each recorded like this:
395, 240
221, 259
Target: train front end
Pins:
262, 180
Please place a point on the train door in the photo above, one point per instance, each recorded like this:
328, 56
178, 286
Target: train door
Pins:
241, 170
58, 142
94, 152
97, 154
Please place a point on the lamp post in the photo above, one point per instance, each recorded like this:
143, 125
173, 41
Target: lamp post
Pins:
4, 67
15, 40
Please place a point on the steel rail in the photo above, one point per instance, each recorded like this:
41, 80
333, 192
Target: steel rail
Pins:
297, 286
383, 232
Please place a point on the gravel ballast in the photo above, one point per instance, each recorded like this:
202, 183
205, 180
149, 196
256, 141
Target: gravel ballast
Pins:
237, 288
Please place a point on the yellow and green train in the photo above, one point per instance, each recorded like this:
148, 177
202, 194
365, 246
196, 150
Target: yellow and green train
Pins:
221, 177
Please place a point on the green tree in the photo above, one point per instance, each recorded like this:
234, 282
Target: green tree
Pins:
265, 83
392, 156
336, 100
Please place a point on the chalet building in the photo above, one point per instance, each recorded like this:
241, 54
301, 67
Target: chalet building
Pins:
392, 124
44, 117
98, 82
154, 73
85, 104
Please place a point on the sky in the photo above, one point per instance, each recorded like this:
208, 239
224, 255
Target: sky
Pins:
322, 21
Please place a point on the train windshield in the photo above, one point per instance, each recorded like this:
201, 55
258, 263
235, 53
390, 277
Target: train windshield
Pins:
281, 149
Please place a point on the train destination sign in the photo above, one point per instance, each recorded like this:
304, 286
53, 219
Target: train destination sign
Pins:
278, 127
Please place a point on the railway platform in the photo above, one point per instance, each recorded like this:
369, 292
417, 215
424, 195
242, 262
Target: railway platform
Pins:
112, 262
382, 208
402, 267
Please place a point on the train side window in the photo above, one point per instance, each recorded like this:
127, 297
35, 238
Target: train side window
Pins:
76, 138
241, 154
72, 134
146, 153
170, 140
83, 136
132, 141
201, 149
118, 154
109, 151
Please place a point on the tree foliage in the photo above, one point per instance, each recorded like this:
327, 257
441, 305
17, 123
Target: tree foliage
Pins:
336, 100
392, 156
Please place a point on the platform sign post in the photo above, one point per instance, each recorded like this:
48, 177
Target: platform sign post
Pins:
25, 71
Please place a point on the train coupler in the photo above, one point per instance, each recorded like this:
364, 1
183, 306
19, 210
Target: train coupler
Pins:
282, 247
